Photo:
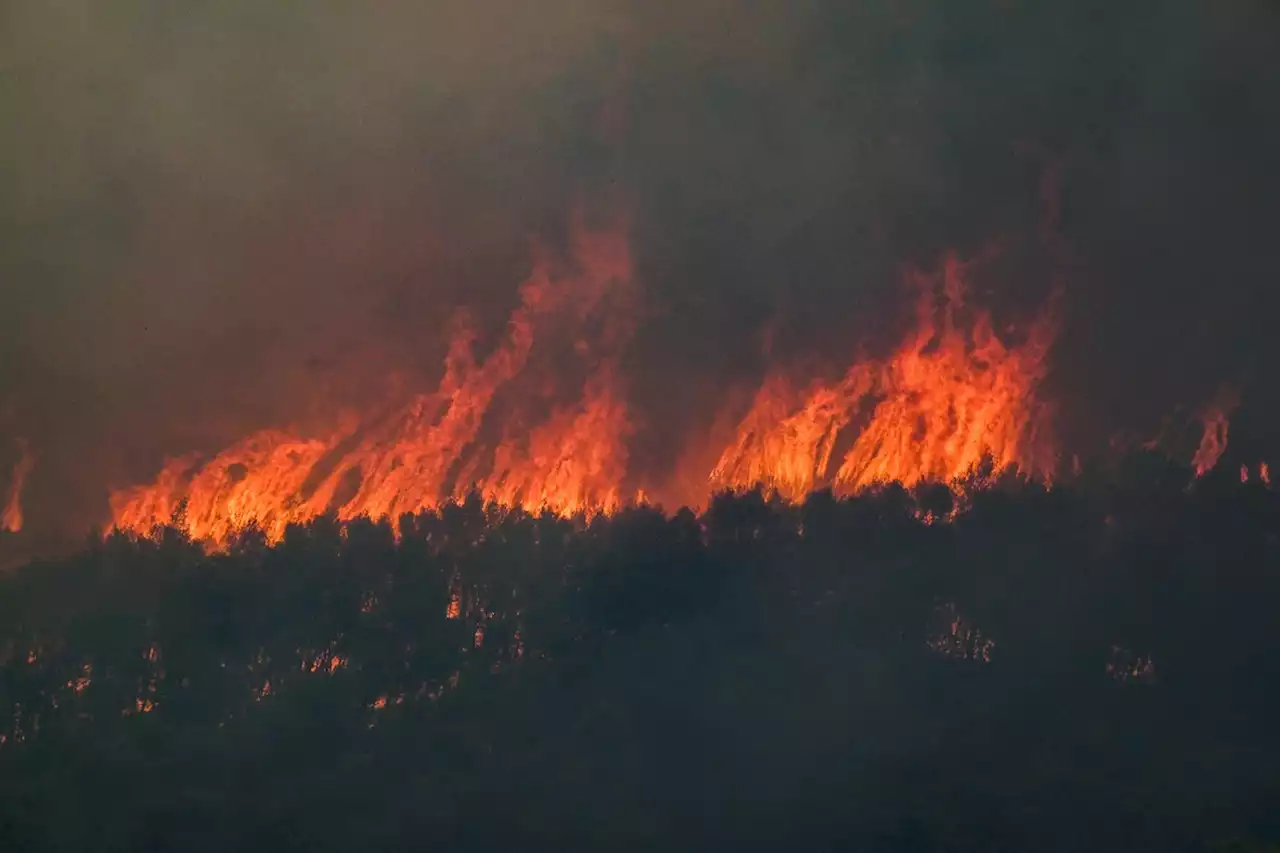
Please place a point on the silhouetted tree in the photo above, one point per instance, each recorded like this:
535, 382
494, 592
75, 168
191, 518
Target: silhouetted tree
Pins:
1094, 665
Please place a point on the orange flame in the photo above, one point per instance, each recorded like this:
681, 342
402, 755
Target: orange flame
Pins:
1217, 426
435, 447
571, 464
951, 397
942, 403
12, 518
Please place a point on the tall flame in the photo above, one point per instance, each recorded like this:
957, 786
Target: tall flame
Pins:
574, 463
952, 396
944, 402
11, 519
435, 447
1217, 427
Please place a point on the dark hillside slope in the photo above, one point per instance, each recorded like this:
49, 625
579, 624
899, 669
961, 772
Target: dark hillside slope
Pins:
1092, 667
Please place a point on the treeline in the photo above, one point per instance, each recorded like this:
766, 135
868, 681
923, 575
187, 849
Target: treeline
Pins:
1093, 666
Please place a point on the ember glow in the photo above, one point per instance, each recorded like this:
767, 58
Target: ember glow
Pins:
11, 519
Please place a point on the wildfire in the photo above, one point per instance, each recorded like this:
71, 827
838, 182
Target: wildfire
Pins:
1217, 425
11, 519
945, 401
952, 396
438, 446
509, 427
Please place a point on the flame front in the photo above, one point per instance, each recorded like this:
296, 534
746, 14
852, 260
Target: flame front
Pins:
952, 396
944, 402
574, 463
433, 448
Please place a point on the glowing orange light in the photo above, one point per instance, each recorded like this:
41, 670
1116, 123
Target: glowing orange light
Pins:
11, 518
571, 461
947, 399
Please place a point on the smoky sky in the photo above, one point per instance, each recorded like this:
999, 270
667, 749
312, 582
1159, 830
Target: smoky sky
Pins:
216, 214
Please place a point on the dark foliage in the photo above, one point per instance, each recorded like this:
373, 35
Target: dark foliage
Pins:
1092, 667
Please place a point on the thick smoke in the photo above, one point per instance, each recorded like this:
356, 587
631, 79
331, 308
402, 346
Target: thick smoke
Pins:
223, 215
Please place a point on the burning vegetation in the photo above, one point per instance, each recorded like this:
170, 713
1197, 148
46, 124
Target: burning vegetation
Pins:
408, 540
545, 455
541, 422
472, 579
1217, 427
950, 398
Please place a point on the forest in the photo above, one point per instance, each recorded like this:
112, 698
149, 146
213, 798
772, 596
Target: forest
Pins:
1003, 666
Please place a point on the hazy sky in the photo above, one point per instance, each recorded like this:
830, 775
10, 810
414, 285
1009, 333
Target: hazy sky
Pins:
211, 209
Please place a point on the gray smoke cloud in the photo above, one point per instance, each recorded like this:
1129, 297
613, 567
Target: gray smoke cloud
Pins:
216, 214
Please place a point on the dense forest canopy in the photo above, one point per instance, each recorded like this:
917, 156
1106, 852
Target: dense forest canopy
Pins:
1088, 666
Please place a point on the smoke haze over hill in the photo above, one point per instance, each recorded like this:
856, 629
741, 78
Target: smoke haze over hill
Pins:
220, 218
